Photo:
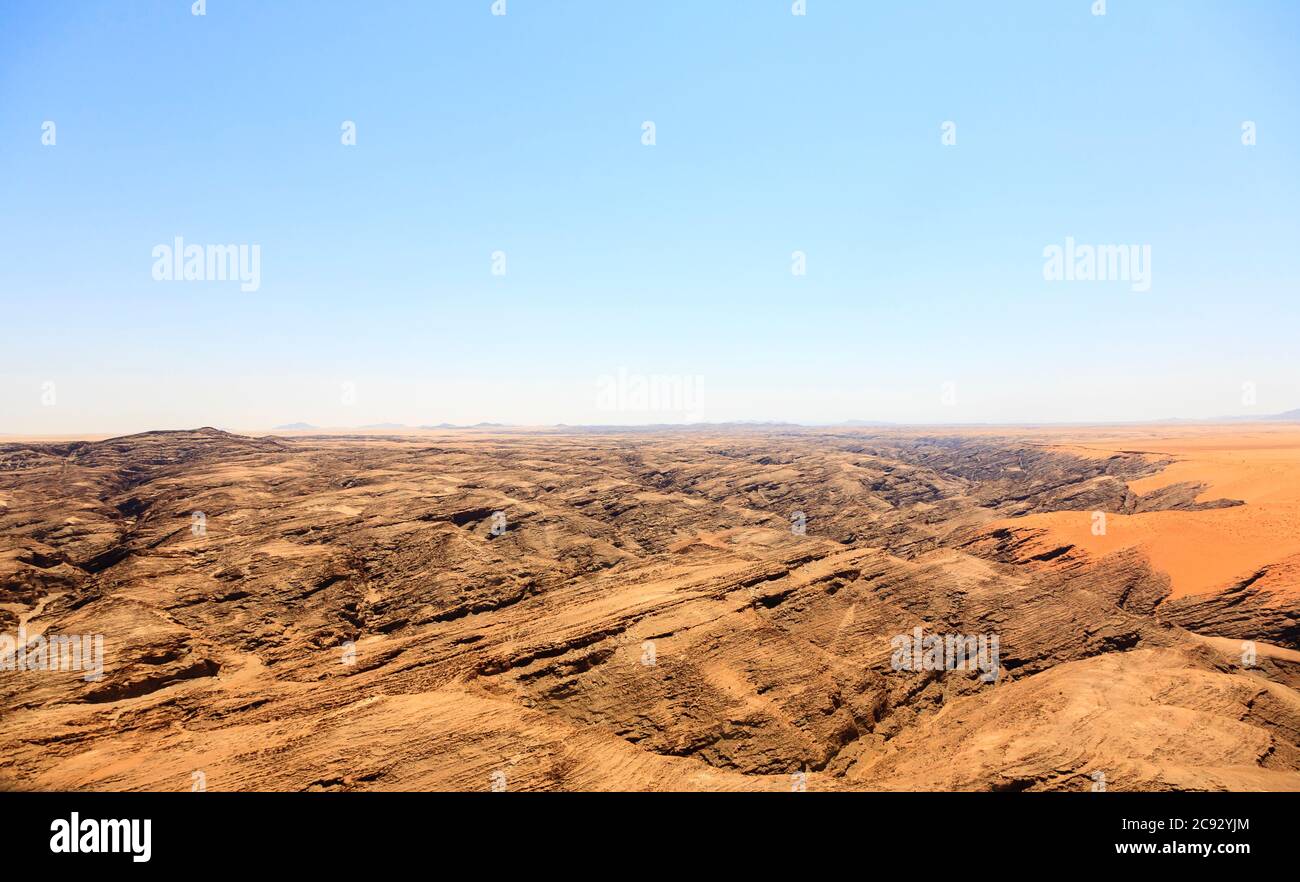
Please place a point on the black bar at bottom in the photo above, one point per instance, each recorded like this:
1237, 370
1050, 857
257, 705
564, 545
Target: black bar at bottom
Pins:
637, 833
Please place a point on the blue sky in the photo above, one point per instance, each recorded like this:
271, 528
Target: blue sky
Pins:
522, 133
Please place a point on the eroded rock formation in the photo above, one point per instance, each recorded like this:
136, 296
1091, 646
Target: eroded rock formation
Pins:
647, 611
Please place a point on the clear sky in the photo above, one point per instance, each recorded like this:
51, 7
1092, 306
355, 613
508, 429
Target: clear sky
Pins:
523, 134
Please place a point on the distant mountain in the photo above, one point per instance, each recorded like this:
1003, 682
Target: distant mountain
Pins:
1290, 416
455, 426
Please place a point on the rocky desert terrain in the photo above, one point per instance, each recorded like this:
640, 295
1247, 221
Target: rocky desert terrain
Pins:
686, 609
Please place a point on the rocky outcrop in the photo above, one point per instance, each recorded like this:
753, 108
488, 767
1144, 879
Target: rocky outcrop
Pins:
631, 610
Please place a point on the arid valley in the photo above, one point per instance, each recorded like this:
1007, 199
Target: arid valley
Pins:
697, 608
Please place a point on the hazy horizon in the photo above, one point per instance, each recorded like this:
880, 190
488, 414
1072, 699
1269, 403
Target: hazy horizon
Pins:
862, 213
1289, 418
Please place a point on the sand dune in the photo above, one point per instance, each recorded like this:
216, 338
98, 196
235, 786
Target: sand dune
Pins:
1209, 550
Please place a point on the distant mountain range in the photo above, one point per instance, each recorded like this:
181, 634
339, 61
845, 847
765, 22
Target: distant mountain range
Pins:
1290, 416
303, 427
475, 426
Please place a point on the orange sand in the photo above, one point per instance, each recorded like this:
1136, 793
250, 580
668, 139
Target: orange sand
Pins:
1202, 551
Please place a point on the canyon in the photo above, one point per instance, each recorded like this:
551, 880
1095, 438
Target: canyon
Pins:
570, 609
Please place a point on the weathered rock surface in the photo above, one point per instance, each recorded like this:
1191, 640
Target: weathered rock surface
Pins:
645, 613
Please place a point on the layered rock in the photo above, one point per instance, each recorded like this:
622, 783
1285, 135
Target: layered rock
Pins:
632, 610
